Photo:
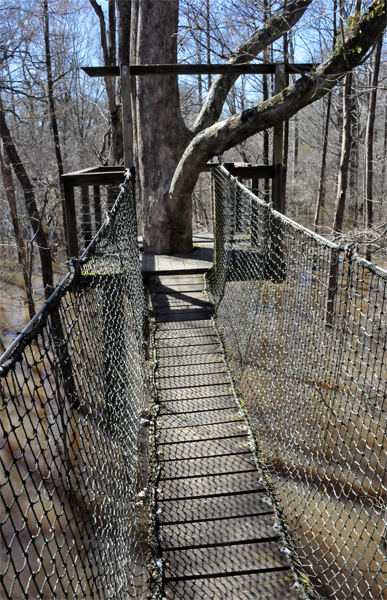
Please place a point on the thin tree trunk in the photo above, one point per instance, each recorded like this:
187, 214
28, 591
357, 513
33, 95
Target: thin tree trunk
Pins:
30, 202
369, 144
285, 153
109, 54
383, 184
354, 162
265, 93
51, 103
21, 248
208, 40
345, 155
296, 140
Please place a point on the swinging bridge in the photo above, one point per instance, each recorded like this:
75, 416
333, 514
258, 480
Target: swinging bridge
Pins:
217, 432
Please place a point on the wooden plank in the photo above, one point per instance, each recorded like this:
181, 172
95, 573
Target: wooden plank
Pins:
190, 381
270, 586
202, 508
189, 369
166, 303
184, 316
240, 527
201, 338
187, 351
166, 280
96, 178
212, 484
180, 288
207, 391
205, 466
199, 448
199, 418
244, 171
197, 69
208, 403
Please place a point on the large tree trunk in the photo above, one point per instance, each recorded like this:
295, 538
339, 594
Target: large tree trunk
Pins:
160, 134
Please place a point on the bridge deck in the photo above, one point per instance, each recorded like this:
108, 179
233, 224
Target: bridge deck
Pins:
217, 529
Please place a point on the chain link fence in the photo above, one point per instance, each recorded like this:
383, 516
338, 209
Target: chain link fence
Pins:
72, 451
304, 325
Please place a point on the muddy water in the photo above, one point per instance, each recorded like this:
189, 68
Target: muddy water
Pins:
14, 314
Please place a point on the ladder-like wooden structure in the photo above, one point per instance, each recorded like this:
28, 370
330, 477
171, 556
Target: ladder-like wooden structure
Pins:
215, 522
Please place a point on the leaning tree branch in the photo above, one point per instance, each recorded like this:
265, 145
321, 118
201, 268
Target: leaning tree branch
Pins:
279, 24
222, 136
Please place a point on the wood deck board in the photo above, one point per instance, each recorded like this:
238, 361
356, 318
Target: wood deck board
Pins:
199, 260
216, 525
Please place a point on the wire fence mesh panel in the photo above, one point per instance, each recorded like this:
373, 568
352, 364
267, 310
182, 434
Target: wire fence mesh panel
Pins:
304, 325
72, 454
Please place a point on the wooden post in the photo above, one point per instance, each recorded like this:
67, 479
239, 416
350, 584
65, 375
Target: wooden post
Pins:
97, 207
276, 263
71, 219
127, 122
238, 206
278, 142
86, 216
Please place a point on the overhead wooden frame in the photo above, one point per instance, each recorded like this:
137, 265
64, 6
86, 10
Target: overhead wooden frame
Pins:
183, 69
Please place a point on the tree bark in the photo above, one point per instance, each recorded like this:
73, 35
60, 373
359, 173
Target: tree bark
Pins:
124, 16
161, 135
369, 144
21, 248
30, 202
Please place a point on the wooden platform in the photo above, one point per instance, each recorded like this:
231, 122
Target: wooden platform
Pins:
198, 261
216, 526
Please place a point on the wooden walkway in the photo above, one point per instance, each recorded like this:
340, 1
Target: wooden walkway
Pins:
218, 539
198, 261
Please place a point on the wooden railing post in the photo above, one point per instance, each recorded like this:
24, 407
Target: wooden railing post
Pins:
127, 122
97, 207
278, 143
71, 219
86, 216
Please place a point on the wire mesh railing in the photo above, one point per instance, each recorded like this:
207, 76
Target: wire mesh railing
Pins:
72, 453
304, 326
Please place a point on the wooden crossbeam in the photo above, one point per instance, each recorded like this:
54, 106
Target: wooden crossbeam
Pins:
183, 69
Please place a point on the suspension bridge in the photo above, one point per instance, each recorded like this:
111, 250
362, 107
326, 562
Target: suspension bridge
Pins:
217, 432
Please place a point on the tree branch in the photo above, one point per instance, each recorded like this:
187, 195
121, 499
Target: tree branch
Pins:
102, 26
218, 138
279, 24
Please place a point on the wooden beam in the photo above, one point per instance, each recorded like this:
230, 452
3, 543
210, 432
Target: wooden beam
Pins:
246, 69
243, 170
96, 177
127, 122
71, 220
278, 141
